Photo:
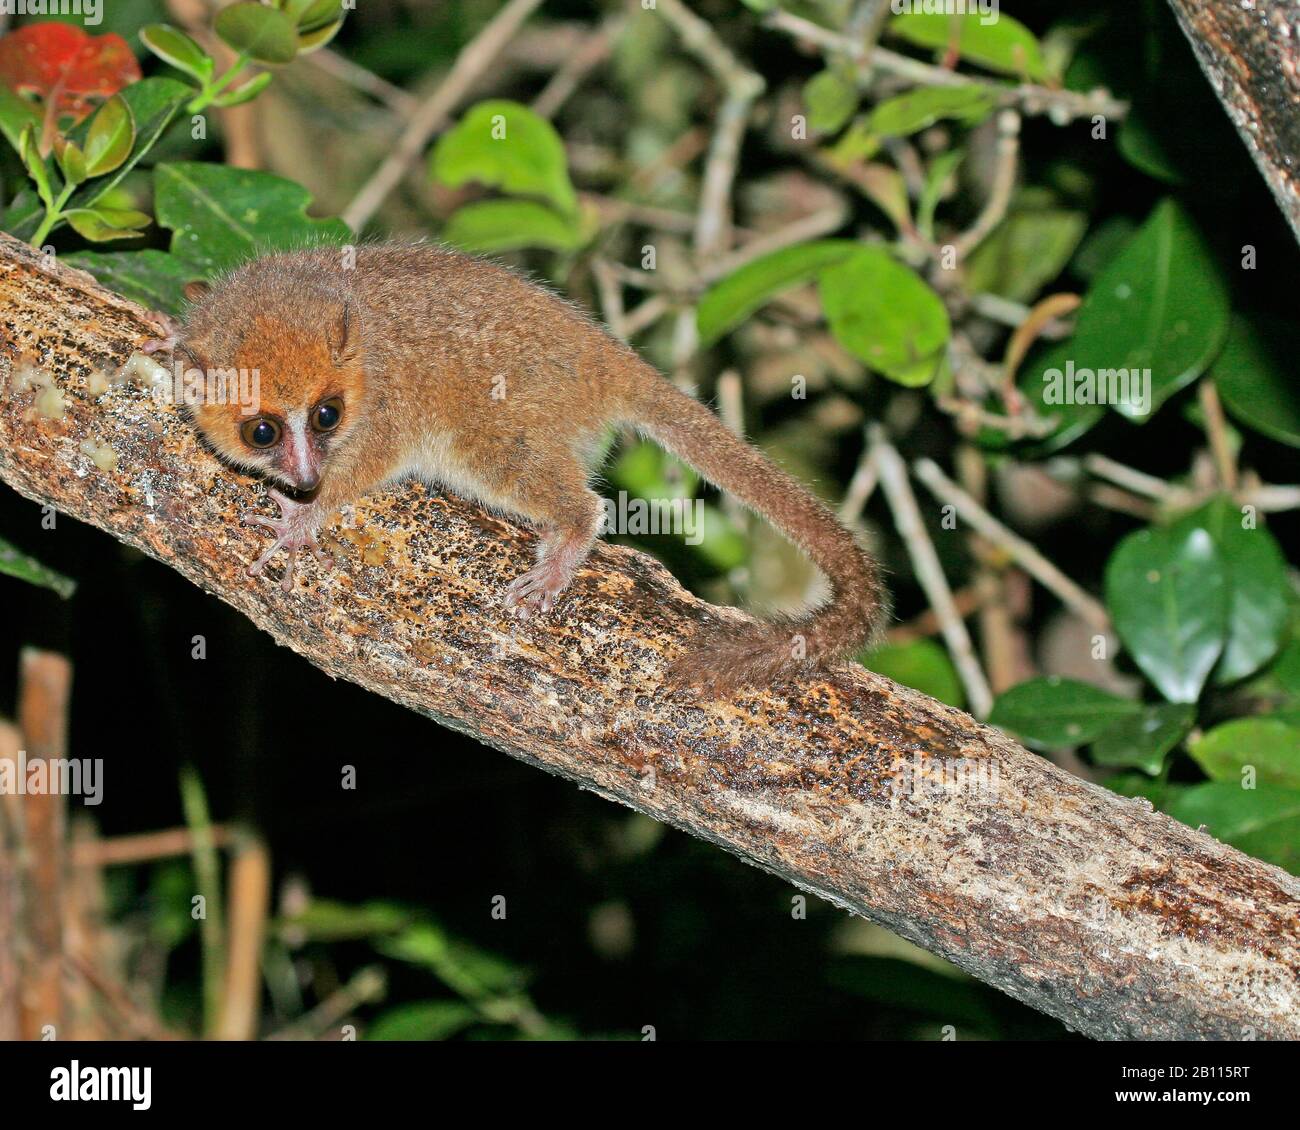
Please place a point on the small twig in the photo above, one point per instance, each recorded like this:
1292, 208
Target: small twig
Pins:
1004, 183
743, 86
971, 417
967, 602
1042, 315
45, 682
1216, 428
813, 226
207, 875
1138, 482
1024, 554
475, 57
143, 848
1061, 106
645, 315
345, 70
929, 572
1274, 499
141, 1024
731, 408
370, 984
594, 51
611, 296
1122, 502
860, 489
249, 900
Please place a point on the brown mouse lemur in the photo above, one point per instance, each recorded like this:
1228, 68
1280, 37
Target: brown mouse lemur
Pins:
414, 360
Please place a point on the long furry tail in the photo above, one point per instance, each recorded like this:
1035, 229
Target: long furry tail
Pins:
766, 653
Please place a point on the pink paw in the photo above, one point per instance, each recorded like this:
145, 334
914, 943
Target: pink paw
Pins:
168, 329
536, 590
295, 529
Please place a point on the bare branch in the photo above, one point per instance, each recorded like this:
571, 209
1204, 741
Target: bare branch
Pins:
1086, 905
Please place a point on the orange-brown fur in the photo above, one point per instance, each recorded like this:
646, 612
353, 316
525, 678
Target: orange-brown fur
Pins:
461, 372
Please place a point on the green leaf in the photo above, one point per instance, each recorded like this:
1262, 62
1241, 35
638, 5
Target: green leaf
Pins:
1142, 740
153, 278
1263, 822
729, 302
245, 93
505, 145
886, 188
473, 973
1160, 306
72, 163
920, 108
922, 665
1057, 712
1287, 668
16, 114
173, 46
1140, 144
34, 163
885, 315
312, 15
325, 920
1168, 594
103, 224
506, 225
422, 1020
309, 41
937, 180
1270, 745
1025, 253
1003, 44
830, 98
152, 102
1257, 581
221, 216
261, 33
645, 470
109, 138
1254, 376
721, 545
14, 563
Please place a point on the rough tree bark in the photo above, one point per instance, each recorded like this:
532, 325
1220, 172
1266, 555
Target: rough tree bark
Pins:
1250, 52
1088, 906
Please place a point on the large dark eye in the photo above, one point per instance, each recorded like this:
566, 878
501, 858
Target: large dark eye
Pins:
327, 415
262, 432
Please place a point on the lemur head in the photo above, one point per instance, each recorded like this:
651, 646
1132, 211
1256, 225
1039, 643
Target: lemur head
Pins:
282, 372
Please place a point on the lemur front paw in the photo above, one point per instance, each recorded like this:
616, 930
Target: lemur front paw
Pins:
295, 529
536, 591
168, 330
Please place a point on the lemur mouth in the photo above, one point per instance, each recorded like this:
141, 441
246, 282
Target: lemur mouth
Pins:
297, 488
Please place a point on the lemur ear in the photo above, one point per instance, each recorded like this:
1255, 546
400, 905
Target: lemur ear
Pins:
196, 291
345, 335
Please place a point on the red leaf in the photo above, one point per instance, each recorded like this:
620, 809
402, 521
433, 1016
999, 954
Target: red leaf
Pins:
61, 62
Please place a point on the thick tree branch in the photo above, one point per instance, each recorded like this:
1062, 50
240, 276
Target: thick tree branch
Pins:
1251, 55
1090, 907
